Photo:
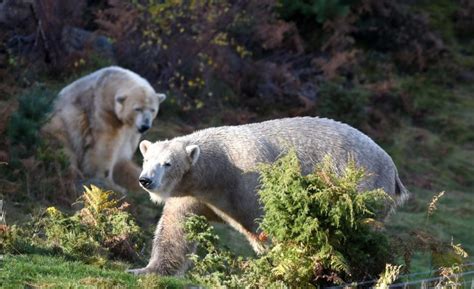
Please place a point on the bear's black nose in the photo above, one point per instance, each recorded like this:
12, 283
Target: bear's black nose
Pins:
146, 182
143, 128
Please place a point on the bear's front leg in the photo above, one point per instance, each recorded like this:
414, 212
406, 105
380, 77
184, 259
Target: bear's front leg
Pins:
170, 247
99, 161
126, 174
99, 158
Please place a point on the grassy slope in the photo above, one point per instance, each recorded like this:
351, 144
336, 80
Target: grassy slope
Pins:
439, 155
441, 161
38, 271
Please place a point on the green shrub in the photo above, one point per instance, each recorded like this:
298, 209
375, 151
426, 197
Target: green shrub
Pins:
21, 239
12, 239
100, 230
25, 123
218, 267
321, 229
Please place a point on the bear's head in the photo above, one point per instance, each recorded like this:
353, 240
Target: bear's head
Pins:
138, 106
164, 165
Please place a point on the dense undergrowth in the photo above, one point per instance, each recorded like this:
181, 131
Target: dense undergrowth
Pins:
101, 230
401, 71
321, 229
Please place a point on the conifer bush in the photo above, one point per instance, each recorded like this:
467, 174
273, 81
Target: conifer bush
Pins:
26, 122
322, 231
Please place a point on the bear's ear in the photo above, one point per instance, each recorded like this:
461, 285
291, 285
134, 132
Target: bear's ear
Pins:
144, 145
120, 98
193, 152
161, 97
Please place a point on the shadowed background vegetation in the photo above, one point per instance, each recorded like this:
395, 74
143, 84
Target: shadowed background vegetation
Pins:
400, 71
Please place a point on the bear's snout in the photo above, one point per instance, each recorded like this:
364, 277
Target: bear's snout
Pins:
145, 182
143, 128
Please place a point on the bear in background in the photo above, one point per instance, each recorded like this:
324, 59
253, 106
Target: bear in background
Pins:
99, 119
212, 172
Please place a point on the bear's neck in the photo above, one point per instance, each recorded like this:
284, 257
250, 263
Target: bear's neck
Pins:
212, 172
110, 119
215, 180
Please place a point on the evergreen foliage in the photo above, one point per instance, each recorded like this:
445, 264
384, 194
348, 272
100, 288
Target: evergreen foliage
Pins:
218, 268
25, 123
321, 229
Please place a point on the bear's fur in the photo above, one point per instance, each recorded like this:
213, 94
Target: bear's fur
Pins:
213, 172
99, 118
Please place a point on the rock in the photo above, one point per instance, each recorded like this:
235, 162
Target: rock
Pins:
76, 39
15, 12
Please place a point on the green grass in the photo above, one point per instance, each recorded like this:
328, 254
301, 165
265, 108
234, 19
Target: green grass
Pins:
433, 156
39, 271
452, 221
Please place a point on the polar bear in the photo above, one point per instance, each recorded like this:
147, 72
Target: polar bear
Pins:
99, 119
213, 172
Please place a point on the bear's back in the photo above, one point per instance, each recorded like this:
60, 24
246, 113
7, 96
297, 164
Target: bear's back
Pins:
313, 139
305, 134
81, 91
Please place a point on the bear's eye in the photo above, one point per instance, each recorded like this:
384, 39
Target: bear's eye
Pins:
167, 164
138, 109
152, 110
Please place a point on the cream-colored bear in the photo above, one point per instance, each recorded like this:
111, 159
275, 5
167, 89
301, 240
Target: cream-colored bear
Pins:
99, 119
214, 172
